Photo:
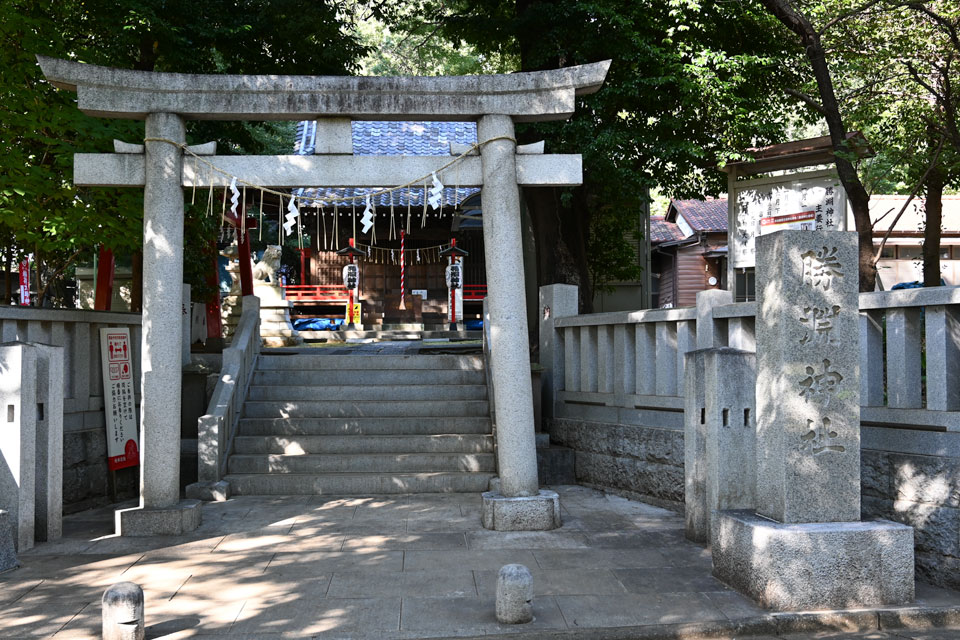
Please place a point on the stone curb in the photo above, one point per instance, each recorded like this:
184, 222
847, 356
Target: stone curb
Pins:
914, 619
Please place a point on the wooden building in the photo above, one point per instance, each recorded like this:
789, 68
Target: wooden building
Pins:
333, 216
689, 246
689, 249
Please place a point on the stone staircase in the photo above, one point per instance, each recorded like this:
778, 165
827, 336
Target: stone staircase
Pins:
364, 424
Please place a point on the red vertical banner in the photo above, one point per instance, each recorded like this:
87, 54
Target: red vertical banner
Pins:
25, 282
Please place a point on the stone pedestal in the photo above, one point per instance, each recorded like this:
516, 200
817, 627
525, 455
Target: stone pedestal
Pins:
182, 517
718, 436
805, 547
540, 512
831, 565
49, 443
276, 330
8, 551
18, 439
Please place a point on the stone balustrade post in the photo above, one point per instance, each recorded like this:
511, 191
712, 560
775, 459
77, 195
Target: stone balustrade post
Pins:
871, 359
709, 334
903, 358
556, 301
942, 325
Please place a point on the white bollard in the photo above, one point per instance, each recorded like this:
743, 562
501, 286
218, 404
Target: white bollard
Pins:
514, 594
123, 612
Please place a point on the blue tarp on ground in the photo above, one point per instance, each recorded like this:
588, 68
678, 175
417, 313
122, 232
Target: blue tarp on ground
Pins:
317, 324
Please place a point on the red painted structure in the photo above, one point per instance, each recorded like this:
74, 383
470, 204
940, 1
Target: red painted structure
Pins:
305, 265
214, 320
106, 265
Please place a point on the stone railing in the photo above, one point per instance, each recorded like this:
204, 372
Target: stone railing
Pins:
217, 427
900, 332
634, 360
78, 332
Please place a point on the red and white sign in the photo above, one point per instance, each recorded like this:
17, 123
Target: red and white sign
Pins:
25, 282
803, 221
119, 403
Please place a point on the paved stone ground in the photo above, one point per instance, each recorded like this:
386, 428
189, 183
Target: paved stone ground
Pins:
402, 567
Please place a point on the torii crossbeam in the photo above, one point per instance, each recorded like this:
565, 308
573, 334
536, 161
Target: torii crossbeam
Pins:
166, 100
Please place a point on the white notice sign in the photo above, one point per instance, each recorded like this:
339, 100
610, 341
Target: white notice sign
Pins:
119, 404
792, 202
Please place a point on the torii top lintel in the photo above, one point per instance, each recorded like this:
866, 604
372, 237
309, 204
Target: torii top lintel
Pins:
123, 93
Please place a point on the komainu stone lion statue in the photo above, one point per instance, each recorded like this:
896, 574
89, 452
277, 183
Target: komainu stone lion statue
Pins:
266, 269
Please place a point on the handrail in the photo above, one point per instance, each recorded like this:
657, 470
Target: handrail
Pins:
217, 428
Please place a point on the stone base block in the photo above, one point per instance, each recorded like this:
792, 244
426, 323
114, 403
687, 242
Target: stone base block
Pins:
172, 521
280, 341
209, 491
832, 565
534, 513
8, 552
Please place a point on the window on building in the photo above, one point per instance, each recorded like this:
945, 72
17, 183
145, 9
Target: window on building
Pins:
910, 252
889, 252
746, 285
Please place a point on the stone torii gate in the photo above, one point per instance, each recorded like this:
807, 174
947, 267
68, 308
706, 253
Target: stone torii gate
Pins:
167, 100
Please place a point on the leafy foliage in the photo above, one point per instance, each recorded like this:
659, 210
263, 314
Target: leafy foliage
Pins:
689, 86
40, 210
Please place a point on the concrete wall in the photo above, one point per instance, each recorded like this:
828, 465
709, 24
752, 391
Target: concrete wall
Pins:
642, 462
920, 488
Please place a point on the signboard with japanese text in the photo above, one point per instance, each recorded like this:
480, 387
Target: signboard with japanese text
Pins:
811, 201
119, 403
355, 318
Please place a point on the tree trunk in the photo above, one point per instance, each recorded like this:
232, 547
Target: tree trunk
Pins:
931, 230
830, 109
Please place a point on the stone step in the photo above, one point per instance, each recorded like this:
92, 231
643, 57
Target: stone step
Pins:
359, 409
363, 426
368, 392
306, 362
362, 463
352, 484
369, 376
298, 445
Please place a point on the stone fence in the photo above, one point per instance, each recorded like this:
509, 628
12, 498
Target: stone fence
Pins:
85, 474
216, 428
613, 384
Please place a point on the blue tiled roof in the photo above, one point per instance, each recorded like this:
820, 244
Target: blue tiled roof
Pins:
391, 139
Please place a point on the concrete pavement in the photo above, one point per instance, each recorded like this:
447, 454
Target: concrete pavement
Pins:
413, 567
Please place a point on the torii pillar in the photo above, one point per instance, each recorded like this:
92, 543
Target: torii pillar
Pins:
519, 504
161, 512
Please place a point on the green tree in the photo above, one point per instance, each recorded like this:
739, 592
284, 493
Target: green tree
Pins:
40, 210
884, 67
689, 84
